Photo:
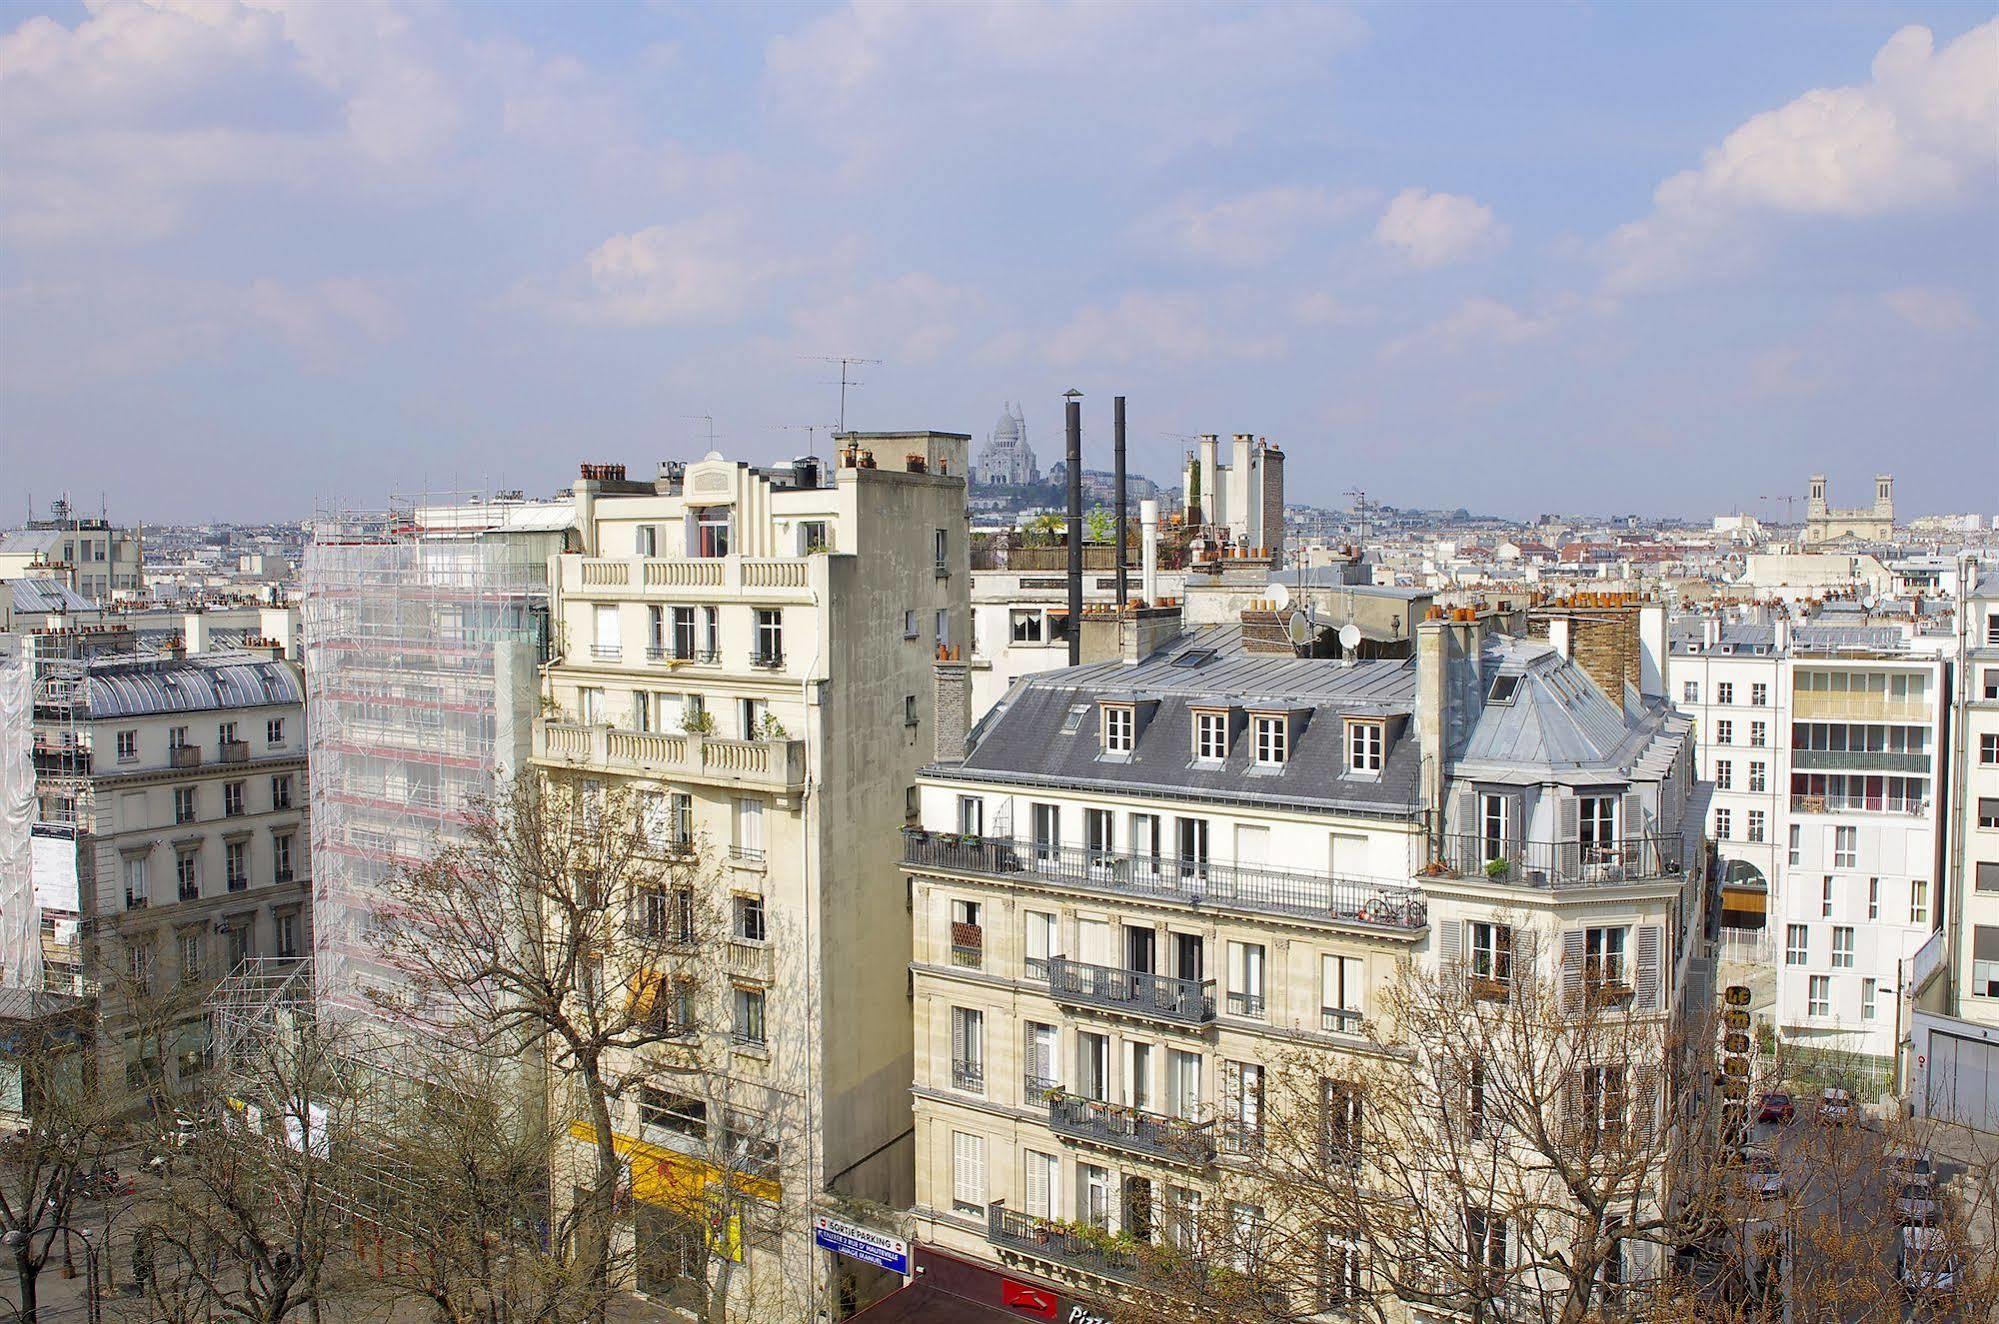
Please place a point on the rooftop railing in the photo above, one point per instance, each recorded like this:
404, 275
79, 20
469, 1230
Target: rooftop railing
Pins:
1362, 902
1561, 863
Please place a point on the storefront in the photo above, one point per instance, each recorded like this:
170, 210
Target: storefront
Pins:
948, 1290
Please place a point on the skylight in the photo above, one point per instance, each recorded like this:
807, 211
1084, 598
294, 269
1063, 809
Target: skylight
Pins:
1074, 721
1195, 657
1502, 689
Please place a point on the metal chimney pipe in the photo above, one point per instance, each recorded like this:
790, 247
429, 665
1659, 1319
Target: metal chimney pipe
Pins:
1148, 533
1075, 458
1117, 481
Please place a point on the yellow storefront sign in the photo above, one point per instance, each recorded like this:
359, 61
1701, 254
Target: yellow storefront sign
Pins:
687, 1185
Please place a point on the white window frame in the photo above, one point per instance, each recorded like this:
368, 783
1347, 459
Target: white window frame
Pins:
1367, 747
1211, 735
1120, 728
1272, 739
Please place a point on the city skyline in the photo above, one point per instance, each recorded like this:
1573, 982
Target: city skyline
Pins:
437, 248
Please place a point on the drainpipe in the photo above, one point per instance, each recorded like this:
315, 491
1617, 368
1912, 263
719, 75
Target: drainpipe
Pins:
1074, 410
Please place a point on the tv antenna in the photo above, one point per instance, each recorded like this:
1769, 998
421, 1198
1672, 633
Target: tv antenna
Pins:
811, 431
1788, 502
709, 419
1359, 496
845, 361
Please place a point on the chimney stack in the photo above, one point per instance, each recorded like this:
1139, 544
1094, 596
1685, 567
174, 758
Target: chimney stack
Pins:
1148, 532
1075, 465
954, 704
1117, 480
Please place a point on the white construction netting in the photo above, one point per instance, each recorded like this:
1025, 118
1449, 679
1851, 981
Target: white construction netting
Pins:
20, 920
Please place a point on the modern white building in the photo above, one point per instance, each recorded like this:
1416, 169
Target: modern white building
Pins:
1974, 825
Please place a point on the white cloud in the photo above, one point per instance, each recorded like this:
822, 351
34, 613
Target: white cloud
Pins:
704, 268
911, 319
1928, 308
1437, 229
1477, 323
1917, 137
1179, 328
1249, 229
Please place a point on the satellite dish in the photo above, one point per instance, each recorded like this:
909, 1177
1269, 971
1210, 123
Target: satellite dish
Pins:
1280, 595
1298, 629
1349, 636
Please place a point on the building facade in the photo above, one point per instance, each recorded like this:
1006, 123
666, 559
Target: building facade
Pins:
1975, 818
102, 562
754, 648
1140, 886
1866, 524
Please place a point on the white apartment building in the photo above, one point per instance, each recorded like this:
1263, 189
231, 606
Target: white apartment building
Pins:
1138, 886
1825, 746
1974, 842
173, 840
89, 554
754, 648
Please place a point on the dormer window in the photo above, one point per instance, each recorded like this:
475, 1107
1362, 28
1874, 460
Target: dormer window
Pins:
1211, 735
1366, 742
1119, 728
1272, 739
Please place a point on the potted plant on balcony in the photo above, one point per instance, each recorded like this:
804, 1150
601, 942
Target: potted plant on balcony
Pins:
701, 722
769, 728
1436, 869
1497, 869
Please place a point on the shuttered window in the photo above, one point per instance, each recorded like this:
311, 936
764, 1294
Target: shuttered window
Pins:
1040, 1178
968, 1173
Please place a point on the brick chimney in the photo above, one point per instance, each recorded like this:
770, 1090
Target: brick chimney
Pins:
954, 704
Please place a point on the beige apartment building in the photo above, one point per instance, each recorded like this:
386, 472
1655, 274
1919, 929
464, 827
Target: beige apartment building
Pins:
1139, 887
753, 647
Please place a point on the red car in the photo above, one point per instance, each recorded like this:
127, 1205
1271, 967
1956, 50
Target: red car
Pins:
1775, 1106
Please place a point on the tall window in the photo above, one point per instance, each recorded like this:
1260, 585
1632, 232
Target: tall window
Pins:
135, 881
1723, 827
274, 731
1724, 774
1724, 733
1245, 976
281, 791
972, 815
1603, 956
1340, 1114
1874, 898
1869, 991
1242, 1103
1919, 901
1845, 847
128, 746
749, 825
749, 1009
1759, 734
1796, 944
1795, 851
1183, 1083
1272, 741
1039, 939
770, 637
968, 1050
187, 872
1818, 996
236, 864
968, 1173
1047, 833
748, 921
1757, 825
1842, 946
1492, 826
1492, 952
1603, 1100
1365, 744
1724, 692
232, 799
1193, 847
1041, 1174
1597, 821
712, 533
1485, 1241
683, 633
1342, 993
183, 804
1211, 736
1759, 776
1118, 726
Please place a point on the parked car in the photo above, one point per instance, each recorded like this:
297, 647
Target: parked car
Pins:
1836, 1107
1775, 1106
1911, 1163
1762, 1175
1916, 1203
1925, 1264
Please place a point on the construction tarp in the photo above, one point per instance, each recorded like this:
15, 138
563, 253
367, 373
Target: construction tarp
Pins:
20, 919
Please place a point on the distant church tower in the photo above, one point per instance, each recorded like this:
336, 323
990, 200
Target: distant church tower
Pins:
1864, 524
1006, 460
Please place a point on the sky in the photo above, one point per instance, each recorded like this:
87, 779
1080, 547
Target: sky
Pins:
265, 258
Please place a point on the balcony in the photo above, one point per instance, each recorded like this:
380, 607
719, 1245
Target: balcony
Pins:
184, 756
1339, 1020
607, 652
776, 765
1036, 1090
1169, 1139
1246, 1004
1131, 992
969, 1077
233, 751
1561, 863
1859, 760
747, 959
1042, 1239
768, 659
1368, 904
61, 760
1912, 805
779, 579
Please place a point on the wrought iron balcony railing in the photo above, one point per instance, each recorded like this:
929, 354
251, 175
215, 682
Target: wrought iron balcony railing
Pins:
1561, 863
1174, 1139
1365, 903
1047, 1240
1136, 992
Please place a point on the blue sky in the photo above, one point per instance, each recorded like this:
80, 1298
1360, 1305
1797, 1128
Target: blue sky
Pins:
256, 259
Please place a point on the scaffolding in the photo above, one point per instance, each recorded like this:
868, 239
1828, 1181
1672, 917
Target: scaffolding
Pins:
424, 632
20, 919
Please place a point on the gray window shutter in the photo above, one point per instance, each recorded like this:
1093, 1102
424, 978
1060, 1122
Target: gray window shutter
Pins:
1573, 947
1631, 816
1516, 819
1451, 942
1524, 954
1645, 988
1464, 808
1572, 1108
1568, 835
957, 1035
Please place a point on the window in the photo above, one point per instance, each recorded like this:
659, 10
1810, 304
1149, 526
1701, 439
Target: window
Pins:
225, 734
1988, 748
287, 926
1492, 826
941, 546
1340, 1122
1027, 627
1797, 947
1724, 692
590, 705
1988, 812
968, 1050
1874, 898
1364, 746
770, 637
1603, 957
135, 881
1041, 1174
1724, 775
1272, 741
1759, 775
749, 1008
1992, 627
1842, 947
968, 1173
1038, 935
281, 791
749, 829
664, 1110
1825, 897
1242, 1105
1919, 901
1759, 734
139, 965
1724, 733
747, 920
1722, 827
1818, 996
941, 625
1987, 878
187, 874
1342, 993
1247, 1229
1869, 990
184, 804
712, 531
1183, 1083
190, 955
1100, 837
235, 865
1093, 1195
1118, 727
1984, 961
1245, 979
645, 540
1796, 849
274, 731
1759, 695
128, 746
1485, 1241
909, 717
1047, 833
1757, 819
972, 815
909, 625
177, 737
1597, 821
1193, 847
1492, 952
1845, 847
1211, 736
1690, 692
1603, 1101
682, 644
232, 799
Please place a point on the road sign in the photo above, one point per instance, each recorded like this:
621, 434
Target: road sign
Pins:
860, 1243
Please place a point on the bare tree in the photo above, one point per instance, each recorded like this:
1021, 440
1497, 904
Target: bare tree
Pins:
561, 925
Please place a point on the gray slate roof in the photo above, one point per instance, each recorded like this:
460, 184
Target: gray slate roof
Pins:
1022, 742
29, 540
1559, 721
42, 593
189, 685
